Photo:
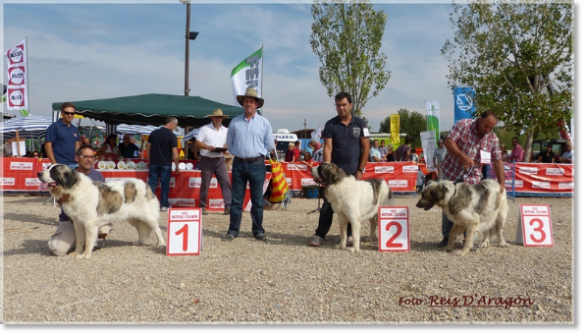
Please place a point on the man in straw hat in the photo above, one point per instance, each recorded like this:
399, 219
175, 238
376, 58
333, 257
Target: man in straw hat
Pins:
250, 140
210, 141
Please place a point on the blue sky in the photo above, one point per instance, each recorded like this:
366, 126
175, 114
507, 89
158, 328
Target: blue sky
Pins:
102, 50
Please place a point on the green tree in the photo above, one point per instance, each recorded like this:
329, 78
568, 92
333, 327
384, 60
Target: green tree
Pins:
347, 38
519, 58
411, 123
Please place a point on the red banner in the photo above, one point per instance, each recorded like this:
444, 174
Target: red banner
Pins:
400, 176
540, 177
20, 174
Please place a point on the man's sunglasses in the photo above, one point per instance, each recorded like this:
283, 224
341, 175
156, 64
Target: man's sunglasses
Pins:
66, 113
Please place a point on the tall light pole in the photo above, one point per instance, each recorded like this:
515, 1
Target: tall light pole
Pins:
189, 35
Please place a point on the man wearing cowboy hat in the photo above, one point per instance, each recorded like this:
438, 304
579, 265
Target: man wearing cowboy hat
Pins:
210, 141
249, 139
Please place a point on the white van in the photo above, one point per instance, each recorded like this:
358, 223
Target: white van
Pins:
283, 137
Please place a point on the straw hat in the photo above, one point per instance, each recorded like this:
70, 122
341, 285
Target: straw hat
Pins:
218, 112
250, 92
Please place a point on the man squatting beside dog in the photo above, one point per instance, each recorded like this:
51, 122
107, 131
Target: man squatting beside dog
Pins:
213, 136
162, 151
62, 147
347, 145
467, 139
249, 139
63, 240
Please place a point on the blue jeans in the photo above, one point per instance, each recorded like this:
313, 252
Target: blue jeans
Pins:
164, 172
255, 174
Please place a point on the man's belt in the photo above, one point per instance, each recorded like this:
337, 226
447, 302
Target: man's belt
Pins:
248, 160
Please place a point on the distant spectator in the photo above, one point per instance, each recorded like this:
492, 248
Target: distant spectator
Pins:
400, 151
109, 148
547, 156
406, 154
84, 140
127, 149
192, 151
390, 156
439, 157
517, 154
293, 154
311, 146
383, 150
34, 154
505, 154
375, 155
567, 156
308, 159
7, 148
318, 155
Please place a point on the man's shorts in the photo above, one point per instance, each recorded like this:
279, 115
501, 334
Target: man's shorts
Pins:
63, 240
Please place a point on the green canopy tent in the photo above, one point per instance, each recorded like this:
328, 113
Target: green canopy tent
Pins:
152, 109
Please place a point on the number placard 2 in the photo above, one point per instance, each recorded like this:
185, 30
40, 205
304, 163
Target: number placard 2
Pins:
184, 232
536, 226
393, 228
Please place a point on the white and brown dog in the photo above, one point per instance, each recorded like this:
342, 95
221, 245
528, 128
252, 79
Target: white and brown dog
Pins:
92, 204
479, 208
353, 200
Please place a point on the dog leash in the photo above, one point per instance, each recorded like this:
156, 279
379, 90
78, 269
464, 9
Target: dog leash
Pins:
466, 173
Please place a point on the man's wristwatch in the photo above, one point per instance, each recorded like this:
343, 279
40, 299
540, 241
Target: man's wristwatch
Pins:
362, 170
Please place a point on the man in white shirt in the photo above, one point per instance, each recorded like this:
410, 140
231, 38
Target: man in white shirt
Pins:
212, 144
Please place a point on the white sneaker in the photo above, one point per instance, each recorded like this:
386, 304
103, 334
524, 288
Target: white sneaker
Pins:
164, 209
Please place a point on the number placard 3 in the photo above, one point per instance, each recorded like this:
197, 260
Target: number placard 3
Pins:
393, 229
536, 225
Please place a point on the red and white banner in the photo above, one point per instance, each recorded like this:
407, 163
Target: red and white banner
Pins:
540, 177
17, 88
400, 176
20, 174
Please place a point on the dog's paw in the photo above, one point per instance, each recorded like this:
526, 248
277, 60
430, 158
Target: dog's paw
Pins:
341, 246
83, 256
503, 245
353, 249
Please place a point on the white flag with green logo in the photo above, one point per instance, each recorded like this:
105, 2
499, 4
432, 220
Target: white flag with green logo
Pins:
248, 74
433, 117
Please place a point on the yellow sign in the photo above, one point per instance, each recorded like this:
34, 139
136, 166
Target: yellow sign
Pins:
395, 130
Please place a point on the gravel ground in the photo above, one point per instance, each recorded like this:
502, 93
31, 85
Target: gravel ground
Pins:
283, 280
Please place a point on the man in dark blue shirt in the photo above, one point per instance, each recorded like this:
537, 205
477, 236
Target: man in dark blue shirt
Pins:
162, 151
62, 138
128, 149
347, 145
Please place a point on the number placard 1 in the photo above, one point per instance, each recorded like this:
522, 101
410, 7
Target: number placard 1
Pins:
393, 228
184, 232
536, 226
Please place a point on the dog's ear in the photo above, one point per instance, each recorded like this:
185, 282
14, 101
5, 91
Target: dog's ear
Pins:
64, 176
444, 188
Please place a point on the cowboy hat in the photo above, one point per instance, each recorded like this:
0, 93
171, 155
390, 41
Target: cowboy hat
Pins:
250, 92
218, 112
